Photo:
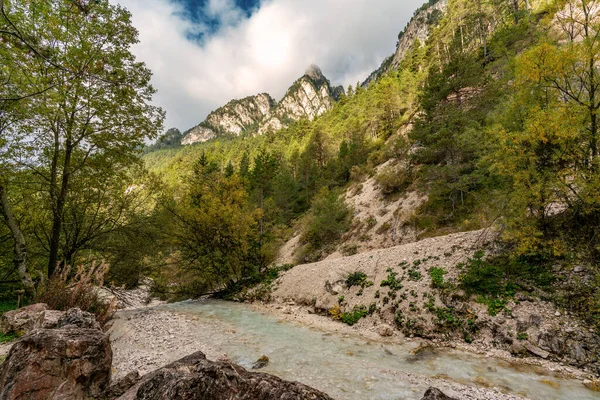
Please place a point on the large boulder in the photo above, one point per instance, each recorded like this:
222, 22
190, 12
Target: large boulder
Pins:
22, 320
196, 378
70, 363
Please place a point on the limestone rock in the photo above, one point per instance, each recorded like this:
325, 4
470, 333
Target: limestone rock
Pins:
536, 350
198, 134
194, 377
417, 29
592, 384
436, 394
234, 118
309, 97
335, 288
57, 364
385, 330
22, 320
517, 348
49, 319
75, 318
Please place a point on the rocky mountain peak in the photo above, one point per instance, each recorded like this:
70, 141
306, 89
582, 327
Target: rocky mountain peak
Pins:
309, 96
417, 30
314, 72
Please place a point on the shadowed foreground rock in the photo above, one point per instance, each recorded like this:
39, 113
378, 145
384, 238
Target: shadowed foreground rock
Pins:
194, 377
436, 394
69, 363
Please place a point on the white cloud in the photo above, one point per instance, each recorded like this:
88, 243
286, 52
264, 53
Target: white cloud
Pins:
348, 39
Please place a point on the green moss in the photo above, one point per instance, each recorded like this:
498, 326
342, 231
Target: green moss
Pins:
8, 338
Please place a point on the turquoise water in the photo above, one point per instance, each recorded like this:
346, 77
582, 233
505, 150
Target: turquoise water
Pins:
355, 368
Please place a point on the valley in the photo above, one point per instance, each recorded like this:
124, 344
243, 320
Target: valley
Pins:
435, 225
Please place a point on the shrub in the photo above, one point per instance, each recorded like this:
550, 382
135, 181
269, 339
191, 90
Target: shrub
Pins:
8, 338
65, 290
355, 315
383, 228
328, 219
414, 275
349, 249
392, 281
356, 279
522, 336
482, 277
437, 277
392, 180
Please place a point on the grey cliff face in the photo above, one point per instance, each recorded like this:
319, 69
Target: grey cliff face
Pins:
417, 29
309, 97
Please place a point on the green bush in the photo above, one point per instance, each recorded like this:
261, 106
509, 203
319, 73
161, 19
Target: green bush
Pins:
8, 338
328, 219
482, 277
356, 279
392, 180
392, 281
355, 315
414, 275
437, 277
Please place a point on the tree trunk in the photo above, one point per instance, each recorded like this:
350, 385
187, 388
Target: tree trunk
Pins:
515, 5
20, 247
58, 209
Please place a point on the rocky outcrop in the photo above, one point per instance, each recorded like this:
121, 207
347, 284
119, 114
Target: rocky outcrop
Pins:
198, 134
194, 377
38, 316
417, 29
309, 97
64, 363
57, 364
120, 387
234, 118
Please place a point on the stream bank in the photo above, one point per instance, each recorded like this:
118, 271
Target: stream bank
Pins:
324, 354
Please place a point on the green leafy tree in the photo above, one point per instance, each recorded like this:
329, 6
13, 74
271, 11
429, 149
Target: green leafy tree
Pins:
215, 228
328, 219
93, 104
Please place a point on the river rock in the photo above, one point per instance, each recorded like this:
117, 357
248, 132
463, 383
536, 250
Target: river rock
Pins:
436, 394
196, 378
23, 320
592, 384
261, 362
72, 364
517, 348
385, 330
536, 350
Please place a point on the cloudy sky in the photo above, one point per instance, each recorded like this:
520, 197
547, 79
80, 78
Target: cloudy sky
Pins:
204, 53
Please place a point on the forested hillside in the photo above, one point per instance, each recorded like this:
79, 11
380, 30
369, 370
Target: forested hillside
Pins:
492, 119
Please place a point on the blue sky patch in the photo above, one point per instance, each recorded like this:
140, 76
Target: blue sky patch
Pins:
195, 11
